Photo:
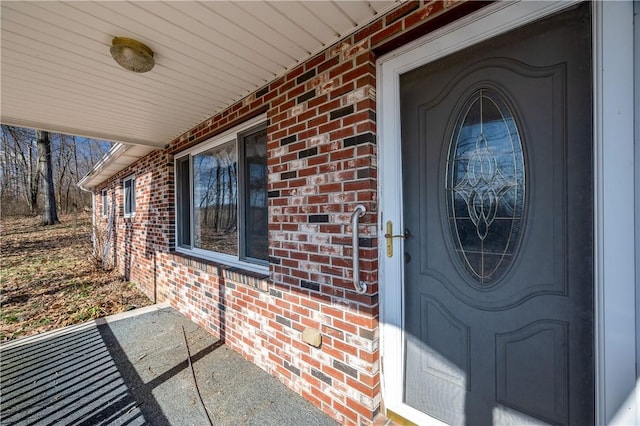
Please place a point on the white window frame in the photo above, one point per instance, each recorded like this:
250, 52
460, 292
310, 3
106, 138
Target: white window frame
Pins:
105, 202
614, 266
227, 259
129, 210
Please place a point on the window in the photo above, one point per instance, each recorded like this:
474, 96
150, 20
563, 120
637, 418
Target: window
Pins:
105, 203
221, 198
486, 186
129, 185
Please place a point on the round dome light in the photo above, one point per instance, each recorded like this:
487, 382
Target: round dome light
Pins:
132, 55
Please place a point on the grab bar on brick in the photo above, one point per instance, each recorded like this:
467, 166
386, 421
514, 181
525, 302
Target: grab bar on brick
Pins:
360, 286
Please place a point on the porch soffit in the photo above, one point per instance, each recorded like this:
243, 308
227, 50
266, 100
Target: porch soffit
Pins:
57, 73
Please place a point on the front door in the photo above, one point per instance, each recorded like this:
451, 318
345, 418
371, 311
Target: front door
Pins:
498, 248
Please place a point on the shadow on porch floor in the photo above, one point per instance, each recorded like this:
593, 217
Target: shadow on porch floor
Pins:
132, 369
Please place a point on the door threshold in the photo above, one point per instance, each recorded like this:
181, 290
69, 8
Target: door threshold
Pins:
397, 419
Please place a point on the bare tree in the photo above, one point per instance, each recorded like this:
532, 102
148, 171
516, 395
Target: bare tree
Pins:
20, 176
19, 153
49, 213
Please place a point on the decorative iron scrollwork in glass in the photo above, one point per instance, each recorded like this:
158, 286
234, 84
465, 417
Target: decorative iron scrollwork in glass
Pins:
485, 186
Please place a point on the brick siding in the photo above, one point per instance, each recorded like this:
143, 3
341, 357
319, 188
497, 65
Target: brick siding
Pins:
322, 162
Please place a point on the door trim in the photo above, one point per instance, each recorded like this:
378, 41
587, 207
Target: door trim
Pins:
614, 245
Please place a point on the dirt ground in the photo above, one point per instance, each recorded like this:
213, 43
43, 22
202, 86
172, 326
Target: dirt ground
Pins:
49, 278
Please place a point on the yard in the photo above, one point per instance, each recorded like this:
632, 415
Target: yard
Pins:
49, 278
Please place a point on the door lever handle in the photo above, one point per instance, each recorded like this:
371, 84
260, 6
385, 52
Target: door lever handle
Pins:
403, 236
389, 236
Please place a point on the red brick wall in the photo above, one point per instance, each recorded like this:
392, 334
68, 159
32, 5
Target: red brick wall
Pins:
322, 162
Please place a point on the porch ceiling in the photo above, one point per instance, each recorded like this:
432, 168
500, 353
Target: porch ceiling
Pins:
57, 73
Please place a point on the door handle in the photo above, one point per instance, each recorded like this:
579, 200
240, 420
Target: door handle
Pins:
389, 236
360, 286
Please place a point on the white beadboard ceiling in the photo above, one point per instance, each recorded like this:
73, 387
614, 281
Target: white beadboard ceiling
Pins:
57, 73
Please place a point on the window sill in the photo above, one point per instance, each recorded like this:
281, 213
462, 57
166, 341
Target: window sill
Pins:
256, 276
224, 261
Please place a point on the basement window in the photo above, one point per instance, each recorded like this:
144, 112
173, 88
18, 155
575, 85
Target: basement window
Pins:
221, 198
129, 190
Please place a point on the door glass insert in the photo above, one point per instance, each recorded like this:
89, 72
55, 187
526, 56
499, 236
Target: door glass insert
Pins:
485, 186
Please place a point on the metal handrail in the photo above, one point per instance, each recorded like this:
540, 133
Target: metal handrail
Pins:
360, 286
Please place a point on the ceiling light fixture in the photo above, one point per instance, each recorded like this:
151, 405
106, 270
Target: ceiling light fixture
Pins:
131, 54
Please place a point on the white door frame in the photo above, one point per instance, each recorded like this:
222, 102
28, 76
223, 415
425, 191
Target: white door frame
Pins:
614, 245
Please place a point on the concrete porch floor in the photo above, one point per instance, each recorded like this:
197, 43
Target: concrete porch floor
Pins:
132, 369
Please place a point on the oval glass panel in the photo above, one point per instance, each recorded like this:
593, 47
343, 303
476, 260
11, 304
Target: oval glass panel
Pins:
485, 186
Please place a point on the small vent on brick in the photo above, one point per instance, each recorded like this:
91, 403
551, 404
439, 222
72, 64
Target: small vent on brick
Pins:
360, 139
306, 76
305, 97
262, 92
364, 173
288, 175
365, 242
319, 218
341, 112
308, 152
310, 285
288, 140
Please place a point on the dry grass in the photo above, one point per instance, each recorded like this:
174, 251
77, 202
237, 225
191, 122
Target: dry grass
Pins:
49, 278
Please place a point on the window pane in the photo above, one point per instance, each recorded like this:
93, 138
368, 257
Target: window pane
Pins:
127, 196
183, 202
486, 186
126, 192
105, 209
256, 240
215, 199
132, 195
